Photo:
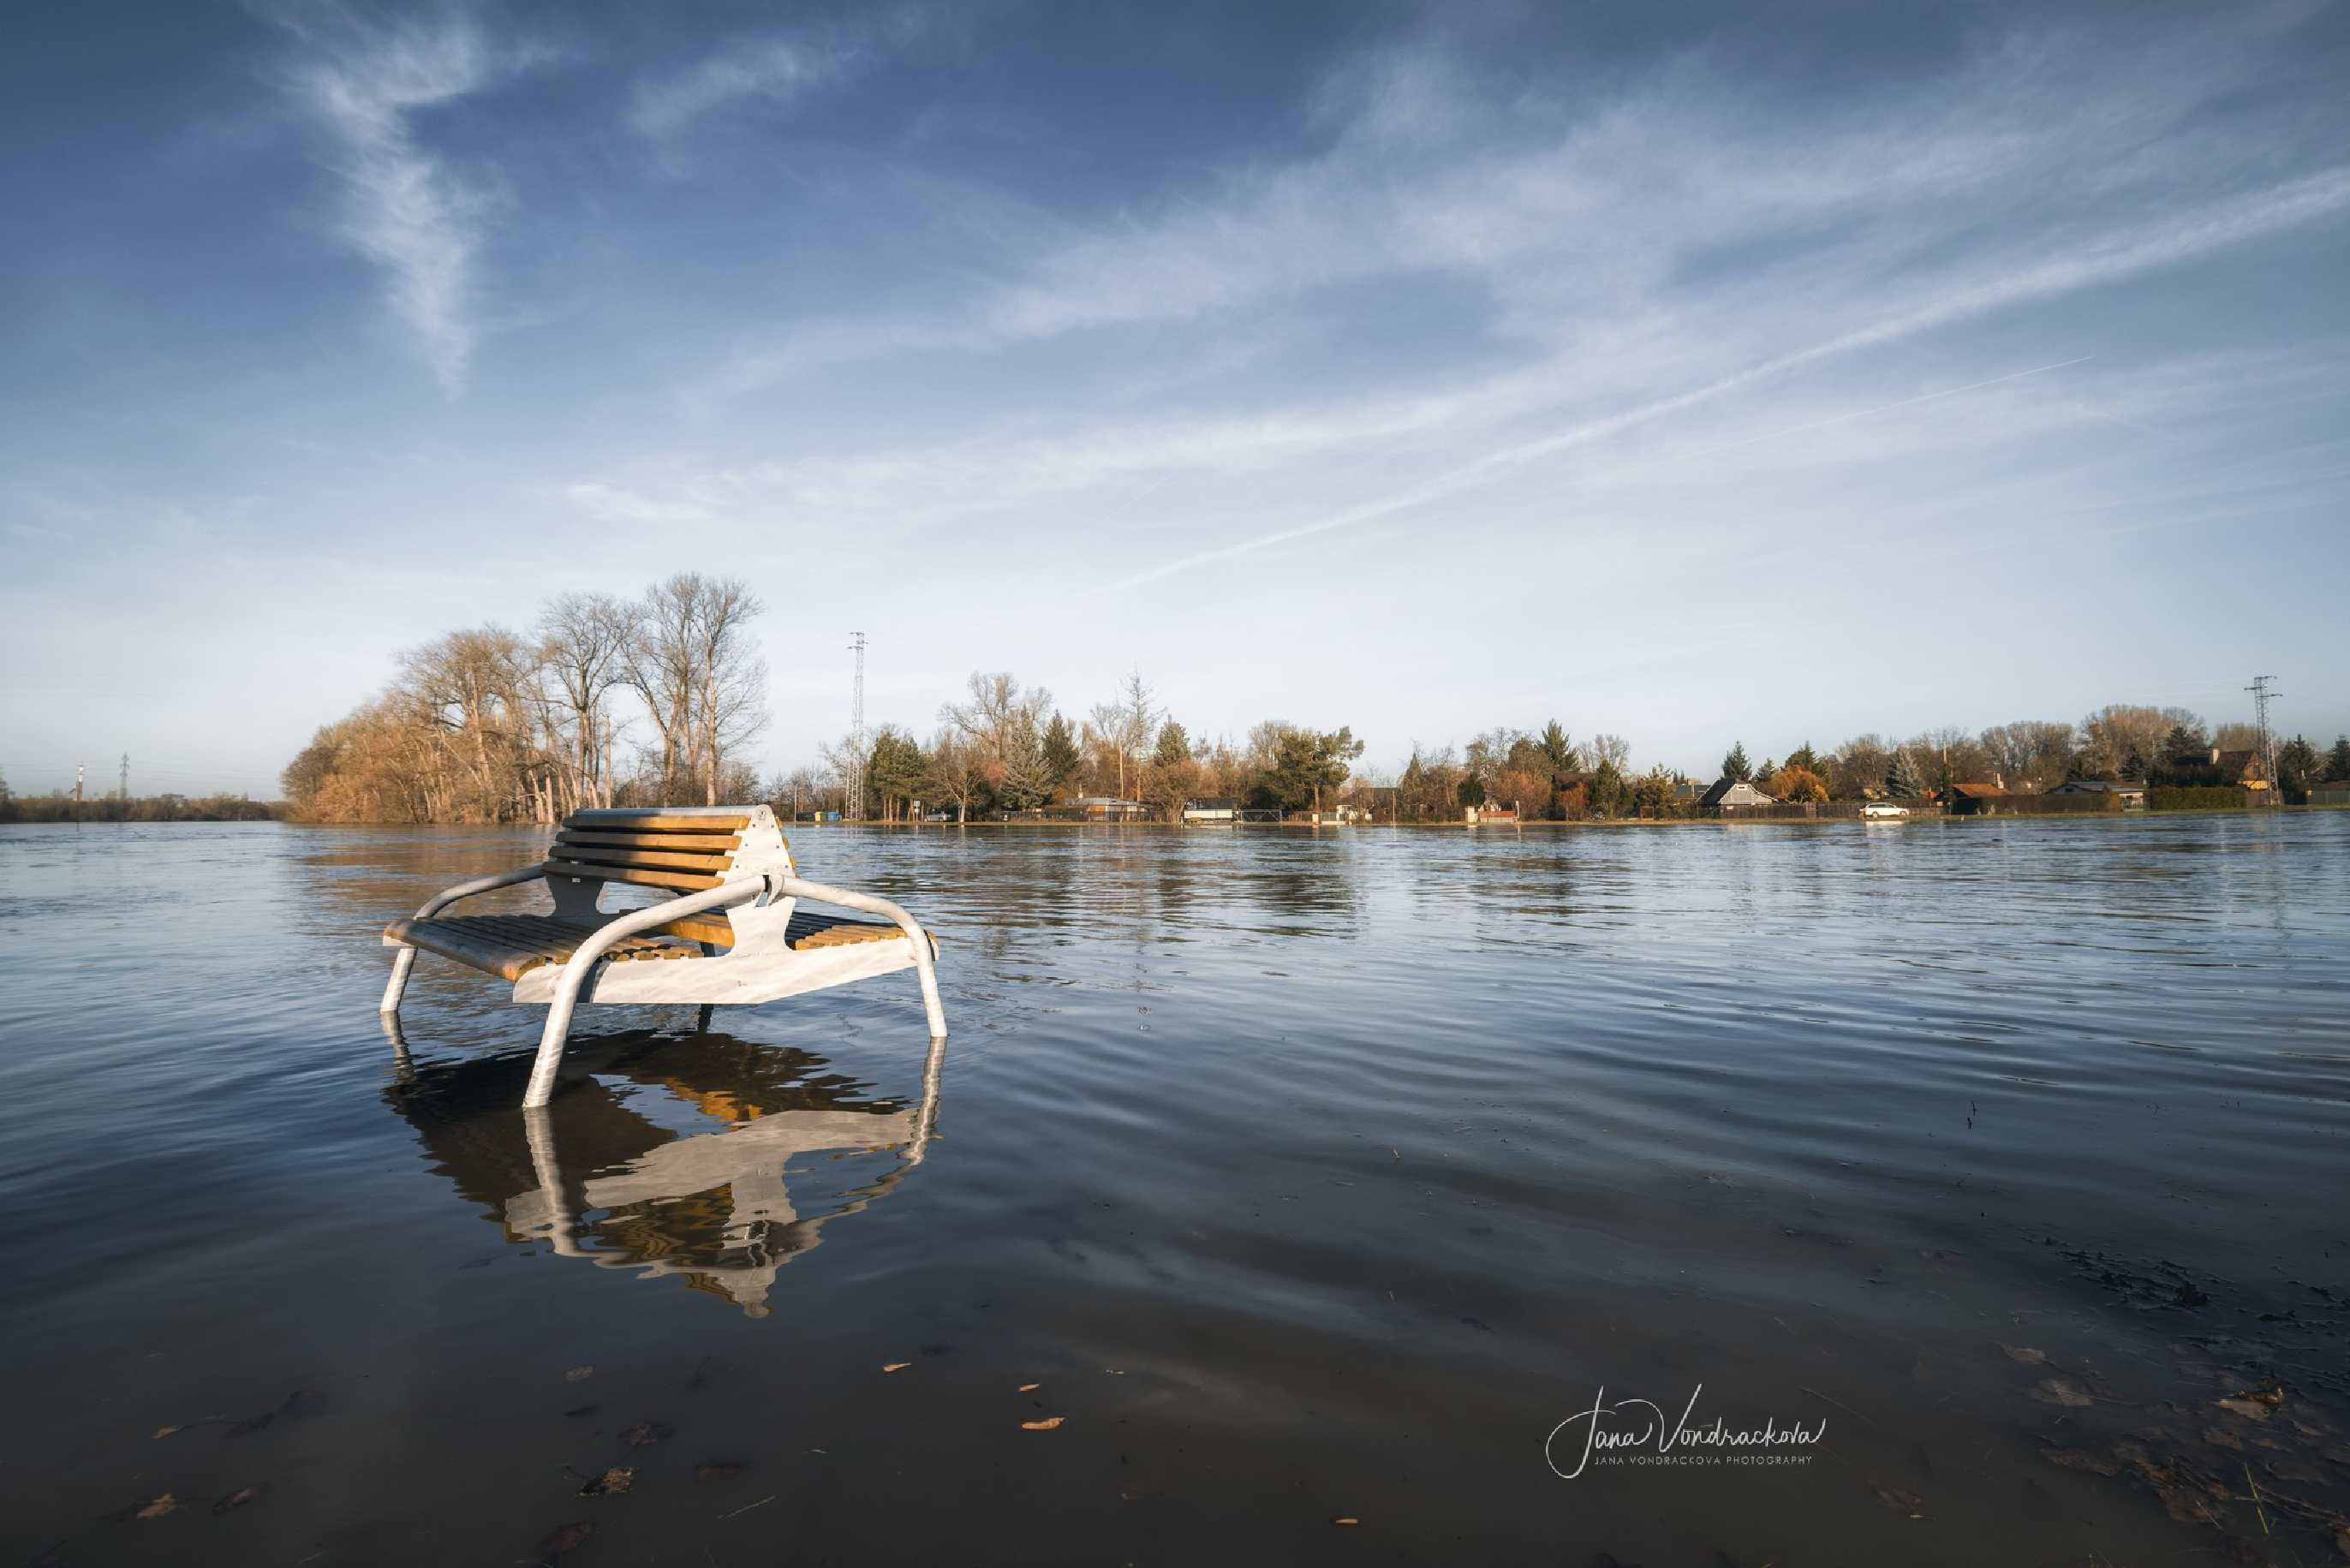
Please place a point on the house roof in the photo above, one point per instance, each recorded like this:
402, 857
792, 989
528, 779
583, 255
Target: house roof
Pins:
1976, 791
2093, 786
1724, 788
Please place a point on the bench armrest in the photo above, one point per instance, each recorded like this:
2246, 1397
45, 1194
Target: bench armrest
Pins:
441, 901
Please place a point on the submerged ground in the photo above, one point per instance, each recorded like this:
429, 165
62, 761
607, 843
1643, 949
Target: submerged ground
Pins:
1270, 1180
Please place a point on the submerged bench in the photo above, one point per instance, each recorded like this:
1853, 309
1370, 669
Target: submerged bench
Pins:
732, 932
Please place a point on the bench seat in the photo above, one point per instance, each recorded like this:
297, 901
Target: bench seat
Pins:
511, 946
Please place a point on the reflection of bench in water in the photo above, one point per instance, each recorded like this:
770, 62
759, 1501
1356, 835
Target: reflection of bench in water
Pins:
603, 1174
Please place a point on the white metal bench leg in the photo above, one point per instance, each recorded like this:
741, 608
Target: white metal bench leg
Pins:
401, 962
582, 963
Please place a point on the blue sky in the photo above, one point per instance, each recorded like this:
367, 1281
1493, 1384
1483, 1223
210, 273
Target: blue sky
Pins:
1683, 374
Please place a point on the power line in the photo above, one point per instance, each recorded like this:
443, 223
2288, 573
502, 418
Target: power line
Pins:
2261, 692
857, 731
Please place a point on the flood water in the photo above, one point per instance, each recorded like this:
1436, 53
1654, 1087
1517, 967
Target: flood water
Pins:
1305, 1176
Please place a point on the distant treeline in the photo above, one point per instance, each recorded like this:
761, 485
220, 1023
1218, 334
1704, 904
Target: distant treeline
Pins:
58, 806
610, 701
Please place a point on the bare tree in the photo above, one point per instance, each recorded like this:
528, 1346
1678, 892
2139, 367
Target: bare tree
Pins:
586, 641
700, 678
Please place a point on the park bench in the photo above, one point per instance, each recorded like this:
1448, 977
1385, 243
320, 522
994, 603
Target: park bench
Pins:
732, 932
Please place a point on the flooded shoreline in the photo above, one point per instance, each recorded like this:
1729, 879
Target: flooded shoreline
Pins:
1268, 1181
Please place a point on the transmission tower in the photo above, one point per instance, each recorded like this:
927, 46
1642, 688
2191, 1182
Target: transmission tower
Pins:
857, 731
123, 789
2261, 693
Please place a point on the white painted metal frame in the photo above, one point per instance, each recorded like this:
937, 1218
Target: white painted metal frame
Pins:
761, 889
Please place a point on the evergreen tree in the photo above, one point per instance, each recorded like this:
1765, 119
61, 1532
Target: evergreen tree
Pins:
1762, 774
2297, 765
1901, 781
1608, 795
2081, 768
1804, 757
1557, 750
2134, 768
2183, 743
1174, 746
1062, 758
1735, 766
2337, 761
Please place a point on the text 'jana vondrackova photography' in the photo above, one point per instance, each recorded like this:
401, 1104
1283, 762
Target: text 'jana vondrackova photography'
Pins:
1028, 783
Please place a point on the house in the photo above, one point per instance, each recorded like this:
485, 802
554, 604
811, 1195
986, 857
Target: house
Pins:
1688, 792
1328, 817
2131, 795
2243, 767
1491, 814
1108, 808
1976, 799
1732, 794
1212, 808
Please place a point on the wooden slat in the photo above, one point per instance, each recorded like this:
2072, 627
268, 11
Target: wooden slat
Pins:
511, 946
832, 931
656, 859
682, 881
699, 843
655, 820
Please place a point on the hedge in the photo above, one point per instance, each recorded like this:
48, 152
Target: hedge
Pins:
2197, 797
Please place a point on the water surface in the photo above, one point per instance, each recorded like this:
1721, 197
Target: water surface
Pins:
1307, 1176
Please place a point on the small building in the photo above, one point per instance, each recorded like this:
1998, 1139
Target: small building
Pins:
2241, 768
2131, 795
1108, 808
1732, 794
1975, 799
1328, 817
1688, 792
1491, 814
1212, 808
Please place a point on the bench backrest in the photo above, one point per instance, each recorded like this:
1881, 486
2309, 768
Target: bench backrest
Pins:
672, 848
680, 849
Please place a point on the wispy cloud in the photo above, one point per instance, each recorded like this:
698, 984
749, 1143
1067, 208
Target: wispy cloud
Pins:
778, 68
407, 208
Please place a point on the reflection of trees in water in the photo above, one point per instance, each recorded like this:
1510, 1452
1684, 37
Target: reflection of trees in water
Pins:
601, 1174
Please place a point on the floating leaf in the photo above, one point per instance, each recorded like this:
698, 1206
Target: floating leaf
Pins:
2257, 1406
611, 1483
237, 1498
579, 1374
165, 1431
1029, 1388
645, 1434
2026, 1353
566, 1536
2060, 1391
2221, 1438
159, 1507
1345, 1518
2082, 1460
1046, 1425
895, 1365
1898, 1501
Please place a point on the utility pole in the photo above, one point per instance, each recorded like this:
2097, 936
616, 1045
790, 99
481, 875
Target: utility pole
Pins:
857, 731
78, 772
123, 790
2261, 692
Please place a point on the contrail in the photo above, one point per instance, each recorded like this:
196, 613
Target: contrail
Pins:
1524, 452
1888, 408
